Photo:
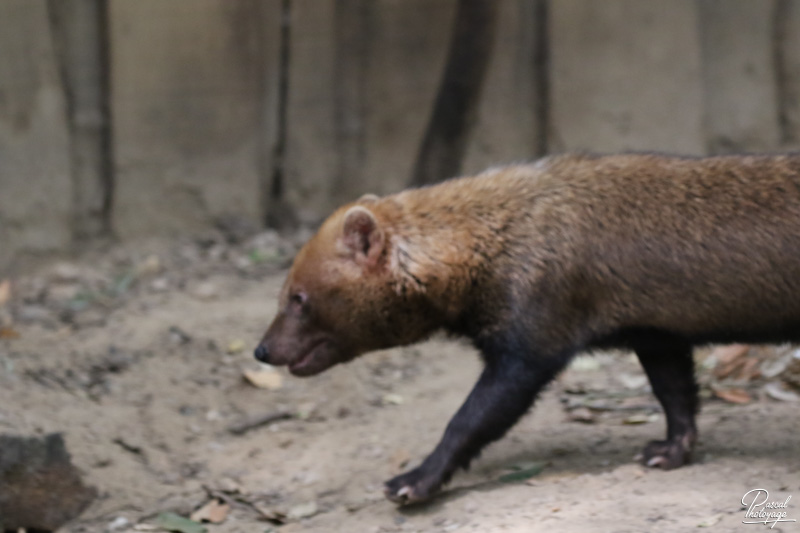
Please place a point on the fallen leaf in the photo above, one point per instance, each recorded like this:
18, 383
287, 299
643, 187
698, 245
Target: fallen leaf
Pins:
739, 396
773, 368
711, 520
5, 292
178, 524
749, 370
730, 352
792, 373
777, 392
215, 511
264, 378
729, 359
392, 399
236, 346
523, 472
304, 510
636, 419
9, 333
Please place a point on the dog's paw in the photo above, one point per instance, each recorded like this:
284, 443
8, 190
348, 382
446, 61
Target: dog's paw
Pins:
412, 487
667, 454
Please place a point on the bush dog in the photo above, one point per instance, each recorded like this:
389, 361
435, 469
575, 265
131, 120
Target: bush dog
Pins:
537, 262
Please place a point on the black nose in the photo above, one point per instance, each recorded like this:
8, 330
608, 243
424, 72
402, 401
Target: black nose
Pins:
262, 353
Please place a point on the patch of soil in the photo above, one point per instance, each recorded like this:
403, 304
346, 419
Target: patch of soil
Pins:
147, 387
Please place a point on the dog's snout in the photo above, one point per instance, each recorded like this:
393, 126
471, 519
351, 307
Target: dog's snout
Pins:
262, 353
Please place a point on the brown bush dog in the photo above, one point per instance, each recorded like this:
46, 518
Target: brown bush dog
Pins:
537, 262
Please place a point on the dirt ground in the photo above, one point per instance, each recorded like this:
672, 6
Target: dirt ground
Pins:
137, 355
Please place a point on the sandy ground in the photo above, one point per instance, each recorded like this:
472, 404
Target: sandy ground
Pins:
145, 391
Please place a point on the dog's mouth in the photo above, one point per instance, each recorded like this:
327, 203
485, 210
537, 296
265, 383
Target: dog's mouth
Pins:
318, 358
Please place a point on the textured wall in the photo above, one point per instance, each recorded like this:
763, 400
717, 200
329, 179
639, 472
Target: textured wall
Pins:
36, 192
133, 118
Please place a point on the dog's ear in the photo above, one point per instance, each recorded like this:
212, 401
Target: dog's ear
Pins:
362, 235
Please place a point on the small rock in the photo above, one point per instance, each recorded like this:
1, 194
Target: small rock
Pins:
66, 272
118, 523
178, 336
305, 510
583, 415
35, 314
633, 381
41, 488
585, 363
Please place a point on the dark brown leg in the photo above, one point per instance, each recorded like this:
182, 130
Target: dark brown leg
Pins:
504, 392
669, 365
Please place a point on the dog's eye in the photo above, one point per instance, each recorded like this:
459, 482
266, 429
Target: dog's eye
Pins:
299, 298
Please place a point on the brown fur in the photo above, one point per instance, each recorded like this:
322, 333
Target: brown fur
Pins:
536, 262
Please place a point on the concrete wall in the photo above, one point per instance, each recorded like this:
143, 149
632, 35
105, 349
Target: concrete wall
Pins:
35, 169
133, 118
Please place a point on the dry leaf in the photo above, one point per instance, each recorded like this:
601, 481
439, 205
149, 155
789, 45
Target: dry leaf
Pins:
8, 333
749, 369
264, 378
740, 396
236, 346
777, 392
179, 524
729, 359
392, 399
215, 511
636, 419
5, 292
730, 352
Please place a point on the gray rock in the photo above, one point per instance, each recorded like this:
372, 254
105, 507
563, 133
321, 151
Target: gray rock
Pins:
40, 488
